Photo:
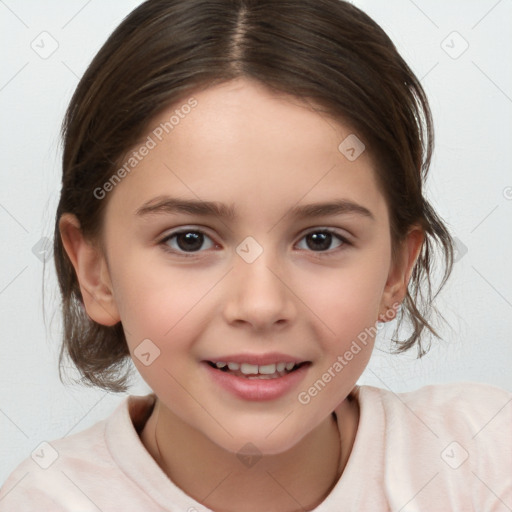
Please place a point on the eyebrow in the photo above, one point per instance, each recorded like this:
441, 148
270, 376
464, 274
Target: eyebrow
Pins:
166, 204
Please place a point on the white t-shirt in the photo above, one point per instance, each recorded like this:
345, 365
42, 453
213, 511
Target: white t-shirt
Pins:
445, 447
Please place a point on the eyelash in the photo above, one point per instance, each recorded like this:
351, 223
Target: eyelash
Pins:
193, 254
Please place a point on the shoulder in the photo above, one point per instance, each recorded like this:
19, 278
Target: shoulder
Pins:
456, 405
57, 472
44, 479
455, 439
477, 413
465, 393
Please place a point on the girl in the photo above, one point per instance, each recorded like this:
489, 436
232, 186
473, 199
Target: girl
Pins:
241, 208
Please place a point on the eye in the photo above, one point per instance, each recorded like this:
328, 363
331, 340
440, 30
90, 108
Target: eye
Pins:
186, 241
322, 239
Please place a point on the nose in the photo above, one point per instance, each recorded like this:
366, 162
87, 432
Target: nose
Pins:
258, 294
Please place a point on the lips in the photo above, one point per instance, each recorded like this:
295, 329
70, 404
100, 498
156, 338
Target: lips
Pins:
256, 377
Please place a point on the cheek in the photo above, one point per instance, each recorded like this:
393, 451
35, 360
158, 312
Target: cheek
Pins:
346, 302
161, 319
156, 301
347, 299
163, 312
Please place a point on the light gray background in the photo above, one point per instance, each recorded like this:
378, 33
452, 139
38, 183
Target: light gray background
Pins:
470, 185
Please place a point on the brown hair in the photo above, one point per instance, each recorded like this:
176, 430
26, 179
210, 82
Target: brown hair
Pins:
324, 51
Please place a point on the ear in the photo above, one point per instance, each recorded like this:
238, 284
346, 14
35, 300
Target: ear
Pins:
92, 272
400, 273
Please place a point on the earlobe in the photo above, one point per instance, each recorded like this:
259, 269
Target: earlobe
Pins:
91, 270
400, 274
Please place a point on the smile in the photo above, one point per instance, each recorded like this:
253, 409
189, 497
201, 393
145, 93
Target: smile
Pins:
254, 371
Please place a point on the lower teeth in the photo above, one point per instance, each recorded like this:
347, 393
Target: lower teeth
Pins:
265, 377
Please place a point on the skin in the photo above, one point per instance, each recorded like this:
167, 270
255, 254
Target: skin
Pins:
262, 153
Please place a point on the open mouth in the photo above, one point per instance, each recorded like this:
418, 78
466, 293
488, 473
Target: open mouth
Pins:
254, 371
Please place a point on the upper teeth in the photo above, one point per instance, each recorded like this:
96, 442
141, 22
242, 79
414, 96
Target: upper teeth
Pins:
254, 369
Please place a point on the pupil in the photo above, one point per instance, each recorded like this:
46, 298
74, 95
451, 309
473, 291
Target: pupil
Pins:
323, 238
192, 241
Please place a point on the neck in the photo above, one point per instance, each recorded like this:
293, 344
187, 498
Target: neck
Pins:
298, 479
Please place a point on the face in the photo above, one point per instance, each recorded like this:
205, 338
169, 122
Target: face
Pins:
274, 283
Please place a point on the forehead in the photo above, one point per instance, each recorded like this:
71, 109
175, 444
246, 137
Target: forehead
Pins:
242, 143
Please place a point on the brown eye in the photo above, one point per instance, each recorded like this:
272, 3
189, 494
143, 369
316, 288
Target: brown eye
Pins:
321, 241
186, 241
